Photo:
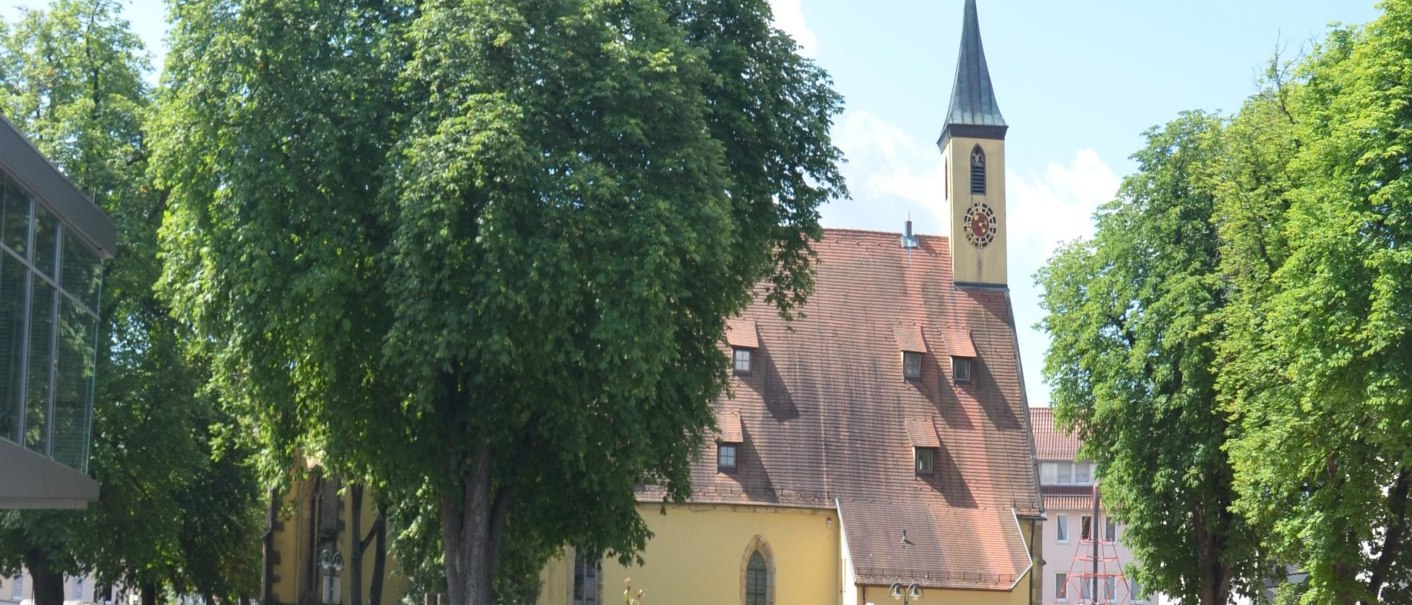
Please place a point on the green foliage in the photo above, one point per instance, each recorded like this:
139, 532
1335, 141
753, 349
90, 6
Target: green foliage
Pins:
488, 247
74, 84
1319, 378
1133, 315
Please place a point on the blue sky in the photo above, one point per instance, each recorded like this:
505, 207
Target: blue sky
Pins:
1078, 83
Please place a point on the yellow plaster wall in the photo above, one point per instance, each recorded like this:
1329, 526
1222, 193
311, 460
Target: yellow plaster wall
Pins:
969, 263
291, 542
698, 554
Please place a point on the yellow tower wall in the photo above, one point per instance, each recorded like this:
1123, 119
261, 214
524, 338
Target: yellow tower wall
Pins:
974, 265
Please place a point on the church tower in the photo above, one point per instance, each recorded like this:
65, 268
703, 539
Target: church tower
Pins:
972, 147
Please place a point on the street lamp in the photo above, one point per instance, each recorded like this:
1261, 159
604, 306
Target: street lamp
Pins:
332, 563
906, 594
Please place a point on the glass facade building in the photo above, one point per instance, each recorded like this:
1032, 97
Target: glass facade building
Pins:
53, 241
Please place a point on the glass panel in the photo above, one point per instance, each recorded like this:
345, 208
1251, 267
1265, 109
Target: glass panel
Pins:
1061, 586
14, 220
46, 240
73, 385
1063, 528
41, 318
81, 271
1048, 473
12, 325
1066, 473
1082, 473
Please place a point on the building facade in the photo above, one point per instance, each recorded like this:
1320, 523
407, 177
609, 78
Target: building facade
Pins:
53, 240
1085, 560
880, 443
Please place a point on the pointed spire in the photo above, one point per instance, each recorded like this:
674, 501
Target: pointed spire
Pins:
973, 111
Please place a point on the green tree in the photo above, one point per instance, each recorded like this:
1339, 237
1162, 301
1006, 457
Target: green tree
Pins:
1322, 385
74, 83
1133, 318
488, 247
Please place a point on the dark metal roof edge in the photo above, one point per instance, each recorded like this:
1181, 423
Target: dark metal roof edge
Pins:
24, 163
972, 131
973, 99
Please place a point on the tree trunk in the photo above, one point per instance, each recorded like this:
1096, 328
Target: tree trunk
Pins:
149, 593
379, 558
48, 582
472, 526
355, 571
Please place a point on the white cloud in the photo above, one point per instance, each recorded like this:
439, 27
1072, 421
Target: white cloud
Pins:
1058, 206
789, 16
890, 174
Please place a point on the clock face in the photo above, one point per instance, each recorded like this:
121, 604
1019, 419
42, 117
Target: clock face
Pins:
980, 225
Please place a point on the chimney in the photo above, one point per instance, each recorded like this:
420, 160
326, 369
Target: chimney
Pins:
909, 241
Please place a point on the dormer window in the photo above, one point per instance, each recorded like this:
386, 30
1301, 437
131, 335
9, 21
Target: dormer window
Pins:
963, 355
913, 347
977, 170
921, 432
731, 436
741, 360
740, 335
725, 457
925, 459
911, 365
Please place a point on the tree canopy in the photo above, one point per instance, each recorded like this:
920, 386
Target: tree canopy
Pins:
483, 251
1278, 278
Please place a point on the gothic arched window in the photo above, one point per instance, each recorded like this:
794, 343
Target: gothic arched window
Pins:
756, 580
977, 171
757, 571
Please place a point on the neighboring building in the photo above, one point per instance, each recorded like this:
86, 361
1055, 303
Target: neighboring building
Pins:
882, 438
1067, 485
53, 240
311, 539
18, 590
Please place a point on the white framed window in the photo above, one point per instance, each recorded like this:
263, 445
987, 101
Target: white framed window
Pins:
1061, 523
1083, 473
1065, 471
17, 588
1138, 595
1110, 530
926, 460
1086, 528
1110, 588
78, 589
1086, 586
911, 364
725, 456
1061, 587
741, 358
1048, 473
586, 584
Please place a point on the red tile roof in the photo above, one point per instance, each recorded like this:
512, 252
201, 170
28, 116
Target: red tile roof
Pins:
1050, 443
1061, 503
824, 410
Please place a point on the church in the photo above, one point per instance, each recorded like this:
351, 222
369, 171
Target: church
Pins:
879, 447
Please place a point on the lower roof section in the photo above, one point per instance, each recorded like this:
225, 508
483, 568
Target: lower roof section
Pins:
934, 547
30, 480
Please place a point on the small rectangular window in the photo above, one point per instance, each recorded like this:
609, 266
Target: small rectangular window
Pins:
926, 460
586, 585
1138, 595
1065, 471
1083, 473
961, 369
1110, 530
1109, 588
1086, 588
725, 456
1048, 473
911, 364
1061, 587
742, 361
1061, 523
1086, 530
17, 588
